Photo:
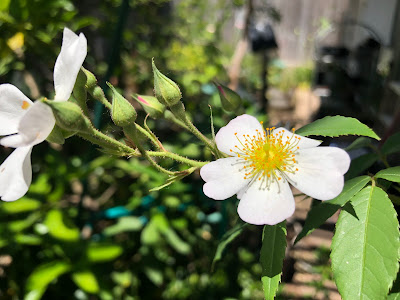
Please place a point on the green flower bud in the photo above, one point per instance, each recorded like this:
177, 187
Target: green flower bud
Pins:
150, 105
69, 116
122, 112
230, 100
91, 80
167, 91
56, 136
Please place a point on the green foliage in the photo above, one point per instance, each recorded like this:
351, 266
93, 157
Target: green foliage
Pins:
323, 211
228, 237
271, 257
86, 280
392, 144
42, 276
391, 174
336, 126
365, 246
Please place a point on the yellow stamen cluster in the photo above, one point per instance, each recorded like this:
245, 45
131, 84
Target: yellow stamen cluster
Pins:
267, 155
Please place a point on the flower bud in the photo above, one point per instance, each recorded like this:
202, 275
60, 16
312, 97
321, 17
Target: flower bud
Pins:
230, 100
167, 91
150, 105
56, 136
91, 80
79, 90
69, 116
122, 112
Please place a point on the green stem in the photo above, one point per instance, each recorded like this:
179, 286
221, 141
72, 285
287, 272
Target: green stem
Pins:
148, 135
179, 111
131, 132
177, 157
105, 141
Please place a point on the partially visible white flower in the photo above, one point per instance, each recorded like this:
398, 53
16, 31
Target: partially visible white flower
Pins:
26, 124
264, 162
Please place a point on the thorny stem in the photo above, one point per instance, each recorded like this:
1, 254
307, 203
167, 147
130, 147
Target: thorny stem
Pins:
131, 132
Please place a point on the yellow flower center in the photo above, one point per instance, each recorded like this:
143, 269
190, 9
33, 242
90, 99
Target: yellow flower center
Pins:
267, 155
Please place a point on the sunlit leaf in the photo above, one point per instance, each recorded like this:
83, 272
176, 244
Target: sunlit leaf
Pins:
20, 206
86, 280
391, 174
42, 276
55, 222
271, 257
124, 224
365, 247
98, 252
337, 126
154, 275
323, 211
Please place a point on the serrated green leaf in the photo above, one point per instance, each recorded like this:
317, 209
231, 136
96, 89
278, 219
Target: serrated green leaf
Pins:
271, 257
391, 174
56, 223
86, 281
227, 238
337, 126
360, 165
365, 249
100, 252
392, 144
323, 211
42, 276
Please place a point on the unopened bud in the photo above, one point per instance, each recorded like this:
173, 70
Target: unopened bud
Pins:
79, 90
122, 112
167, 91
69, 116
91, 80
150, 105
56, 136
230, 100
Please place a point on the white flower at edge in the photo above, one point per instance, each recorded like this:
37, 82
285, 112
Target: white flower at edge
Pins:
26, 124
261, 165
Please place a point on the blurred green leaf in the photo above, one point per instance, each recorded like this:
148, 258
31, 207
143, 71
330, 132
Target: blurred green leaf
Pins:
86, 280
392, 144
28, 239
20, 206
337, 126
360, 142
20, 225
154, 275
361, 164
227, 238
42, 276
55, 222
100, 252
124, 224
4, 5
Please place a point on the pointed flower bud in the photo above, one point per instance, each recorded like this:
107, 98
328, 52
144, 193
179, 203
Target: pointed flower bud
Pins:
230, 100
150, 105
91, 80
69, 116
122, 112
167, 91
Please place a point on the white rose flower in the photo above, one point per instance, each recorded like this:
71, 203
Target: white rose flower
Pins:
261, 165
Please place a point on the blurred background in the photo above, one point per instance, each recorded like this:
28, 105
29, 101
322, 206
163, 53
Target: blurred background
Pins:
90, 229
